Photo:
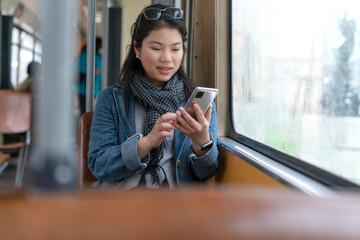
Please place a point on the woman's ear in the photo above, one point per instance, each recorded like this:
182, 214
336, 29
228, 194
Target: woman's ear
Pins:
137, 50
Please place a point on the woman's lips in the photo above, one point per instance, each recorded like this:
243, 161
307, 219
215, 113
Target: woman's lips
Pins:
164, 70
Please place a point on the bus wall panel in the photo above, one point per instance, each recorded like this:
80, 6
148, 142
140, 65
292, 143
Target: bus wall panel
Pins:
236, 170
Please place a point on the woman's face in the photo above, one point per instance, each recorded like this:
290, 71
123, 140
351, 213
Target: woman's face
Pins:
161, 54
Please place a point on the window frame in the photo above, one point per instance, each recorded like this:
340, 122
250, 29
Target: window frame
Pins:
323, 176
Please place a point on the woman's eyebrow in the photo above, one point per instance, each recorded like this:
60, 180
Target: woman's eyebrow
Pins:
159, 43
155, 42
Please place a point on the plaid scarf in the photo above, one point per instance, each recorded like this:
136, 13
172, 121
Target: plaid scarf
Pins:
156, 102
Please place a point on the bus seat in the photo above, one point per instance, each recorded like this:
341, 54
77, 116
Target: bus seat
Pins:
85, 177
15, 118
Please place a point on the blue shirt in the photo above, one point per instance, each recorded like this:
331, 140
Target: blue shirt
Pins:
81, 61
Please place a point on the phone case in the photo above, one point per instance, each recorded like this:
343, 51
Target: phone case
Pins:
203, 97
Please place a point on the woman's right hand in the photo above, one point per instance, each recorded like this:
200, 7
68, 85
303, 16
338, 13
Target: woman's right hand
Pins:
160, 131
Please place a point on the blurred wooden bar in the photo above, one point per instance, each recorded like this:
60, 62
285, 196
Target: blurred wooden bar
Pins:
215, 213
4, 157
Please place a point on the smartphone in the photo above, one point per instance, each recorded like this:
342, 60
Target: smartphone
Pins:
203, 97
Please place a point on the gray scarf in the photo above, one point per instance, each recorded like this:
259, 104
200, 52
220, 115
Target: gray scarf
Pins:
156, 102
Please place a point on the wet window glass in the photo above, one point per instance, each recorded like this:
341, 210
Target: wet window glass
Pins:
296, 79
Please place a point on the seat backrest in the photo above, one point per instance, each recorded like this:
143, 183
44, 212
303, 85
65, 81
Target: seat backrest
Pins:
85, 178
15, 111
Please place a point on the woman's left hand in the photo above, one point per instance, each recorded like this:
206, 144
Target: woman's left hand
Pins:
197, 130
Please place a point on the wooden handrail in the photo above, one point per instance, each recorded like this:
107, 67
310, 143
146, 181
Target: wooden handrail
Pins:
215, 213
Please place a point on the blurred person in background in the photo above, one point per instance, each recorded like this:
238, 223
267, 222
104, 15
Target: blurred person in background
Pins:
33, 71
81, 62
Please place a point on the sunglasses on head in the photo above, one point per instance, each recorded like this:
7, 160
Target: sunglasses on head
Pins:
155, 13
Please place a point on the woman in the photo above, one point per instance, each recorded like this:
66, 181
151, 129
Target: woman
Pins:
140, 133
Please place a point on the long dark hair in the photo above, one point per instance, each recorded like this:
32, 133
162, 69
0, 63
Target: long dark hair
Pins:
141, 30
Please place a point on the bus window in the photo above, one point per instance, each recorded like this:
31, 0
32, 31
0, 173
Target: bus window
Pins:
23, 51
296, 79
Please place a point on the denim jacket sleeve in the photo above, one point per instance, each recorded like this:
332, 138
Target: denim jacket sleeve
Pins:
112, 155
205, 167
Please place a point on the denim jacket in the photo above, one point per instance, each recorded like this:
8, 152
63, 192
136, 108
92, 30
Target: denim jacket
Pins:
113, 157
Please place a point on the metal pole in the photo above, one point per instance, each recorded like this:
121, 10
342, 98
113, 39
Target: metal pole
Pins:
105, 46
53, 159
90, 64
